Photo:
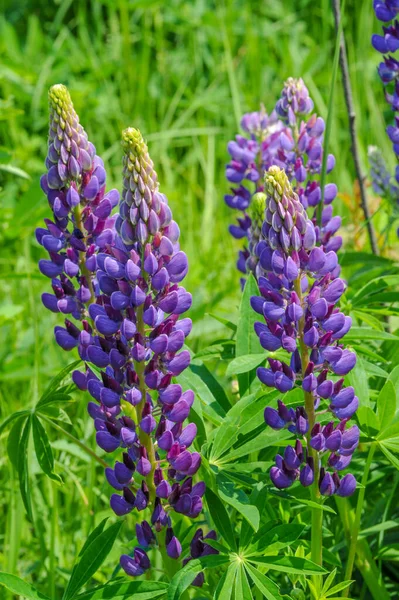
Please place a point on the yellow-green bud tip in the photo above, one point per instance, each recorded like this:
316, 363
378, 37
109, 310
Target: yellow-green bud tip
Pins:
59, 97
133, 142
276, 180
257, 207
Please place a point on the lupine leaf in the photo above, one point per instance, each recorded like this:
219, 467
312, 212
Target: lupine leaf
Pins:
359, 380
264, 440
244, 364
337, 588
280, 537
257, 498
221, 518
12, 417
386, 405
391, 457
93, 535
226, 587
243, 589
238, 500
22, 467
123, 590
43, 450
363, 333
13, 440
20, 588
91, 559
264, 584
289, 564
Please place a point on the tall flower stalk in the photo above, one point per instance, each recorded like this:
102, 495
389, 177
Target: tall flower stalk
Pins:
119, 277
299, 293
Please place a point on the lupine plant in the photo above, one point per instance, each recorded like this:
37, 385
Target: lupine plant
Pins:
259, 463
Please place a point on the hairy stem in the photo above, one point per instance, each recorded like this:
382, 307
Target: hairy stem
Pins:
77, 213
352, 128
317, 514
358, 515
145, 439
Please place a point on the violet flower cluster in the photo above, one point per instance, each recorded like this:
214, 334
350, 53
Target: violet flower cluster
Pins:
299, 295
388, 70
292, 139
119, 277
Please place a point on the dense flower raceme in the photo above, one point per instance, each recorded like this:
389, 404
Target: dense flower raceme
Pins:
298, 303
288, 140
124, 289
387, 11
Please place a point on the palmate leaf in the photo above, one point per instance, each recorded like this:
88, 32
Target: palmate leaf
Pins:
243, 589
20, 588
257, 498
278, 538
386, 405
91, 559
56, 381
364, 296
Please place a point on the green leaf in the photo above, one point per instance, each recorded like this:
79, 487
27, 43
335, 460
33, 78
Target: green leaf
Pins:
227, 587
386, 405
213, 385
289, 564
359, 380
237, 498
12, 418
243, 589
299, 500
226, 322
91, 559
264, 440
13, 440
20, 588
391, 457
328, 582
364, 296
56, 381
43, 450
264, 584
368, 421
244, 364
122, 590
22, 468
337, 588
183, 578
221, 518
279, 537
247, 341
93, 535
258, 498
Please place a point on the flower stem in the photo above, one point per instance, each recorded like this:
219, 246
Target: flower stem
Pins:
317, 513
358, 516
77, 213
145, 439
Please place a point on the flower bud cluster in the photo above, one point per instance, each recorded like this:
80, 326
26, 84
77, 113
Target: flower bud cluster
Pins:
127, 269
299, 294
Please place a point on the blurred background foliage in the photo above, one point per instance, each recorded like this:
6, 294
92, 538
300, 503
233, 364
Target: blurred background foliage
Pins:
183, 72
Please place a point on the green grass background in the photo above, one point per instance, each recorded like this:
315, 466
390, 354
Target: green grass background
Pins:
183, 72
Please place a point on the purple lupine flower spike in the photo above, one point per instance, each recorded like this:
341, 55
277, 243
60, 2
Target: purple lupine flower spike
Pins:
293, 143
82, 223
130, 327
298, 304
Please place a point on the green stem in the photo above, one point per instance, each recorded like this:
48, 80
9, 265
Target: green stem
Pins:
76, 441
145, 439
317, 514
358, 515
